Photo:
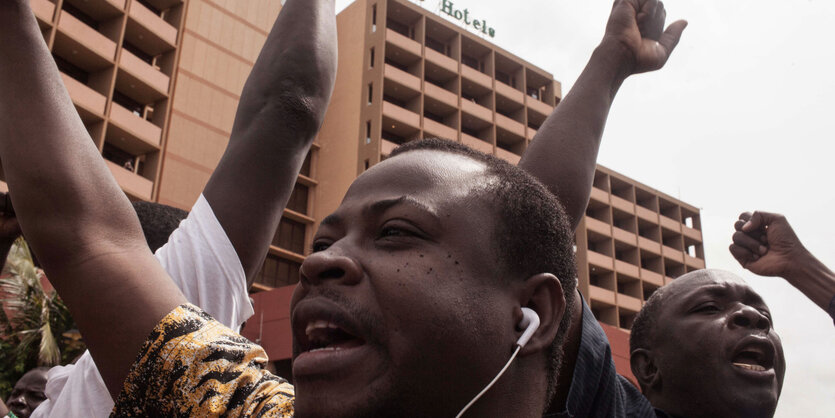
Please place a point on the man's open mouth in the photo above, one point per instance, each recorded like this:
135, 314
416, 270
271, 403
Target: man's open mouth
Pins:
754, 354
323, 335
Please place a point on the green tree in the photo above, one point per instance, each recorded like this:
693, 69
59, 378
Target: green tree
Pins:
37, 329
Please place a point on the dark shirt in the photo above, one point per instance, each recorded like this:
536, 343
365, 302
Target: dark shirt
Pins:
596, 388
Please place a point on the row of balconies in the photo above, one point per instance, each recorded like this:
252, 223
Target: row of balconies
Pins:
627, 193
409, 29
84, 37
610, 208
443, 68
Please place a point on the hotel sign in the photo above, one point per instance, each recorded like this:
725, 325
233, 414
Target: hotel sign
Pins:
464, 17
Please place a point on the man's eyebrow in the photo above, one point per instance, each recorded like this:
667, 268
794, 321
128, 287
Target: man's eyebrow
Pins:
383, 205
332, 219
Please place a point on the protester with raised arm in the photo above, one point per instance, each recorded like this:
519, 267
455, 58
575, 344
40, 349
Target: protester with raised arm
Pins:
563, 156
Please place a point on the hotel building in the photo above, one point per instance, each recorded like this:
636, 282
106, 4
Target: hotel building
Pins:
157, 83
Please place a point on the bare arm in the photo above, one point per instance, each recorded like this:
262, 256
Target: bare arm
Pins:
563, 154
564, 151
765, 244
282, 107
71, 210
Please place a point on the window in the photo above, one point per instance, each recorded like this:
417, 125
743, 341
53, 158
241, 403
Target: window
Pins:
374, 19
370, 93
371, 65
290, 235
368, 132
278, 272
298, 199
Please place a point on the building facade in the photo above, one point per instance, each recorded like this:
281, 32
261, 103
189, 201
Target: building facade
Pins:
157, 83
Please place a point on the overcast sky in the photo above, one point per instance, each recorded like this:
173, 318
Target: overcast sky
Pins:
741, 118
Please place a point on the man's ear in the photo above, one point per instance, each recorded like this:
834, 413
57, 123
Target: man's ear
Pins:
645, 370
544, 294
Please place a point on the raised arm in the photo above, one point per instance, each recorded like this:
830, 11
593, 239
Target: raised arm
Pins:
765, 244
70, 208
282, 107
563, 153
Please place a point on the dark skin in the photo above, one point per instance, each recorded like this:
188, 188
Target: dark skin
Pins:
714, 338
564, 151
282, 107
28, 393
432, 315
765, 244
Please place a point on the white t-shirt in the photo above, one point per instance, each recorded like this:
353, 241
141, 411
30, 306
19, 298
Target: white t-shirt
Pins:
205, 266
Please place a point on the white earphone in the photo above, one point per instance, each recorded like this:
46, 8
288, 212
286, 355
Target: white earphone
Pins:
530, 322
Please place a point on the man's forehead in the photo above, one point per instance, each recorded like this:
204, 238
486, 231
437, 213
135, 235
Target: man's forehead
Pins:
710, 281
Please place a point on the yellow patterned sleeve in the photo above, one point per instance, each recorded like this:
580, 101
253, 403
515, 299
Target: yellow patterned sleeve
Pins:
191, 365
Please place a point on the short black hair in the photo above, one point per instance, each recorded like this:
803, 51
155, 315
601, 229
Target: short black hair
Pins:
532, 233
644, 324
158, 222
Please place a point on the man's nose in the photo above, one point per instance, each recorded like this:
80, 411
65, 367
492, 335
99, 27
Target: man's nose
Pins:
749, 317
329, 265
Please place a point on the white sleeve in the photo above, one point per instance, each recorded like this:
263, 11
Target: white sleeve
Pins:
205, 266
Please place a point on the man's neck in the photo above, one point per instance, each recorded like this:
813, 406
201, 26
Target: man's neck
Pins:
569, 357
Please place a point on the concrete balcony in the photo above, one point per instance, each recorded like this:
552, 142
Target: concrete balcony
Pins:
401, 115
597, 226
441, 60
599, 195
435, 129
691, 233
132, 184
386, 147
647, 244
670, 224
441, 95
403, 44
140, 80
511, 126
164, 4
82, 45
672, 253
89, 103
600, 260
508, 156
628, 269
509, 92
629, 302
132, 133
150, 32
646, 214
476, 143
650, 276
694, 262
624, 236
99, 10
531, 133
601, 295
623, 204
44, 10
541, 108
478, 111
402, 79
477, 77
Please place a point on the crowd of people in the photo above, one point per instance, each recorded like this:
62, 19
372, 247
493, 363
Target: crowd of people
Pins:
443, 271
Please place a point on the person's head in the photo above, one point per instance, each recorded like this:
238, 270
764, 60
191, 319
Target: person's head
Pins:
158, 221
28, 392
410, 302
704, 345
